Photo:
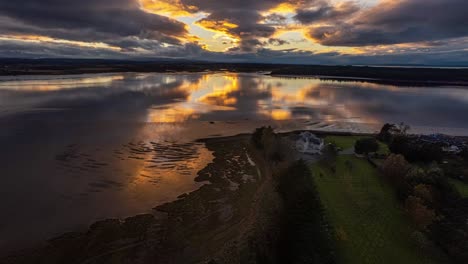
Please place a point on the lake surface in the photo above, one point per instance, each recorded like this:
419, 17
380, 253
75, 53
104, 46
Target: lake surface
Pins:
75, 149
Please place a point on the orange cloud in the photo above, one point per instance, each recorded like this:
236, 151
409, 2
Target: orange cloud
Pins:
169, 8
45, 39
218, 26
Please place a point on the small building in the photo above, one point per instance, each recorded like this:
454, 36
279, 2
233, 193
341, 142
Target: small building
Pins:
452, 149
309, 143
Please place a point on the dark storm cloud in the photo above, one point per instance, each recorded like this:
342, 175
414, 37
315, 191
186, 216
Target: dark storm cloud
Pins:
87, 20
22, 49
324, 11
277, 42
275, 19
394, 22
442, 54
247, 27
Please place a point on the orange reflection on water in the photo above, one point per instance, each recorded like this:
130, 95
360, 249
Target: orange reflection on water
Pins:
210, 92
287, 94
280, 114
68, 82
171, 177
172, 114
217, 90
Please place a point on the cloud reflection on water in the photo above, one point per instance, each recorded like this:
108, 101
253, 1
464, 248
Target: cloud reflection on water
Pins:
178, 98
103, 115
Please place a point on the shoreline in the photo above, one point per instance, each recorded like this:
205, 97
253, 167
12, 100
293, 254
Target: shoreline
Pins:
372, 80
232, 156
417, 76
381, 81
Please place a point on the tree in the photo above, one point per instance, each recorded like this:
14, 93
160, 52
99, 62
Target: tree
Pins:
395, 168
421, 240
386, 132
258, 136
328, 158
430, 152
415, 150
403, 128
271, 145
424, 192
451, 231
419, 213
305, 235
464, 154
399, 144
366, 146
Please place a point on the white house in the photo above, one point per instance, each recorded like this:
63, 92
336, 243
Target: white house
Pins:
309, 143
452, 149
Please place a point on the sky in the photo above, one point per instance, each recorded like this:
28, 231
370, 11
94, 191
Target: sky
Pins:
431, 32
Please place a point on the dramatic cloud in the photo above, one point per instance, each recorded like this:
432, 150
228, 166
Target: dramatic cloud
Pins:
398, 21
240, 19
323, 11
87, 20
53, 49
286, 31
248, 21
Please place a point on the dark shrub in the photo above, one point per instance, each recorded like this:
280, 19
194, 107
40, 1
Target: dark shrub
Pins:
386, 132
257, 137
415, 150
366, 146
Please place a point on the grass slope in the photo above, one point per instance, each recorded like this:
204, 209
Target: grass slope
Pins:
369, 225
461, 187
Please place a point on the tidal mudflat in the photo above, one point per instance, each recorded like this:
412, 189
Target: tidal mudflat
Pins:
214, 221
77, 149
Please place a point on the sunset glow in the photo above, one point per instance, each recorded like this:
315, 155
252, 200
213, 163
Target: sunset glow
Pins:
287, 31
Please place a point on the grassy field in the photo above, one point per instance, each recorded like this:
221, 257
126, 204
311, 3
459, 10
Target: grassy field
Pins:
369, 226
347, 142
461, 187
344, 142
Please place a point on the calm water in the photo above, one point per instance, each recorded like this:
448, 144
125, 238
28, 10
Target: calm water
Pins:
75, 149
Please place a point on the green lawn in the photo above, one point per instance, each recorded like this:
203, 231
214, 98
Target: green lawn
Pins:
362, 208
347, 142
344, 142
461, 187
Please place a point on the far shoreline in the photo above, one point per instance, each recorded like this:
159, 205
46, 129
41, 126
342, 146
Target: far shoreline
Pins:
372, 80
394, 75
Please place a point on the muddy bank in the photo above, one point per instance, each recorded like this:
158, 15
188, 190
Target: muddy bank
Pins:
221, 222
